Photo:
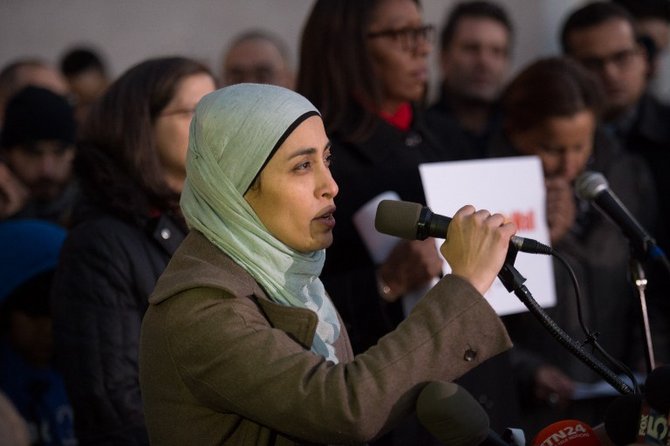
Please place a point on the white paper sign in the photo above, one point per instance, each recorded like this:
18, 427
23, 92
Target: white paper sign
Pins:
513, 187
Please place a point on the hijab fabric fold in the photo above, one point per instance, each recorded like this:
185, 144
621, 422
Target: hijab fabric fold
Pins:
234, 131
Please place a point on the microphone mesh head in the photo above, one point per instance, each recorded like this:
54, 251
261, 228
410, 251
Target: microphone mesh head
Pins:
398, 218
589, 184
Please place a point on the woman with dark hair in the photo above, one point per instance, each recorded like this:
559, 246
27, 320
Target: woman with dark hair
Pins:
364, 64
241, 344
131, 164
551, 110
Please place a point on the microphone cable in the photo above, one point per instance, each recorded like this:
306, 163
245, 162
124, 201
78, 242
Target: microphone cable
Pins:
591, 335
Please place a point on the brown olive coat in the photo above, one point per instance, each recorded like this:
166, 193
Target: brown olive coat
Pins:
222, 364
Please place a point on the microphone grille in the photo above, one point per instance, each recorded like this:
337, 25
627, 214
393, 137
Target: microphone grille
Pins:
590, 184
398, 218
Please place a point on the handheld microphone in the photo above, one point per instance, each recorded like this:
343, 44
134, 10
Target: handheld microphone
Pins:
592, 186
568, 433
454, 417
630, 419
413, 221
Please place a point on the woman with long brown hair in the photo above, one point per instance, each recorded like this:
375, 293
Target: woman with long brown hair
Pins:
131, 165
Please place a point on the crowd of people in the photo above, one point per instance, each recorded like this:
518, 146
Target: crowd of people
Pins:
171, 270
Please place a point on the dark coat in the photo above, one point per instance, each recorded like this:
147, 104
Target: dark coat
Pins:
649, 137
598, 253
388, 161
107, 270
114, 253
223, 364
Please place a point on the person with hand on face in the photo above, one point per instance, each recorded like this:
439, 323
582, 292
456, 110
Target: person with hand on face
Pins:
131, 163
551, 109
241, 343
37, 147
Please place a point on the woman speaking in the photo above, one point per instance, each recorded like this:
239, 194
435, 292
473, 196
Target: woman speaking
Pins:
241, 344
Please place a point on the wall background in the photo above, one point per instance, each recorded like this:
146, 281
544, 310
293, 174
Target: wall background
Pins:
127, 31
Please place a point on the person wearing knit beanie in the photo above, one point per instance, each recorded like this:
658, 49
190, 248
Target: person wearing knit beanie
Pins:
36, 153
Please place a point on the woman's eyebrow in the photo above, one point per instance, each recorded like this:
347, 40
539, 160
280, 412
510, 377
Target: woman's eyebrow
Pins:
308, 151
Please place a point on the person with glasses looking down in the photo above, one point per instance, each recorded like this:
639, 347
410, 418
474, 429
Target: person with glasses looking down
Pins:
364, 65
603, 37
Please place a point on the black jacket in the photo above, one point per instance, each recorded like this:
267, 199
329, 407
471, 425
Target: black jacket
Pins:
388, 161
109, 264
107, 270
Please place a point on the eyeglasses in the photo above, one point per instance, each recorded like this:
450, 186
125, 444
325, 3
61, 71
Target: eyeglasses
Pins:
409, 38
621, 60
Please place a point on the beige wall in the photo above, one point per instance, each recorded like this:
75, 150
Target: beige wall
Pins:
129, 30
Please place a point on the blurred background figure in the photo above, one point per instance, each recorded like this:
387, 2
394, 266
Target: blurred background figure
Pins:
37, 146
87, 76
23, 72
28, 258
364, 65
132, 169
551, 109
13, 428
475, 54
604, 38
260, 57
652, 18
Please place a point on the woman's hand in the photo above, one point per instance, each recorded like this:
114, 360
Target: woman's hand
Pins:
411, 264
476, 245
561, 208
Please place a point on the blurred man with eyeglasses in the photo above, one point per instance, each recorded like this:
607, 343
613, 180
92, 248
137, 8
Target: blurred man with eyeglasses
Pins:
475, 52
603, 36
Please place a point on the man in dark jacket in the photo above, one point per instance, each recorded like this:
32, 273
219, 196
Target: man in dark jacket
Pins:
475, 48
604, 38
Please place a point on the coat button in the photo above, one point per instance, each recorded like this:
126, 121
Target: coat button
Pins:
165, 234
470, 355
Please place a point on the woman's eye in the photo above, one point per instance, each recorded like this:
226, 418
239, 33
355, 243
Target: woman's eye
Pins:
303, 166
328, 160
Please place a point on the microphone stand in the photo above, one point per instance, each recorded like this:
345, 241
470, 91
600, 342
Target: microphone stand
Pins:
640, 281
513, 282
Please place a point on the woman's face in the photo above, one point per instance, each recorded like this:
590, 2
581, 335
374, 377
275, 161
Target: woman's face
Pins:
398, 45
171, 126
563, 143
294, 198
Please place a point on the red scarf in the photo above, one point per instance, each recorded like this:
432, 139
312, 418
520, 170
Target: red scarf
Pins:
401, 119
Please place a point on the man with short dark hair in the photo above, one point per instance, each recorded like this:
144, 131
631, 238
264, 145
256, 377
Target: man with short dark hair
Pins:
36, 154
475, 47
86, 74
604, 38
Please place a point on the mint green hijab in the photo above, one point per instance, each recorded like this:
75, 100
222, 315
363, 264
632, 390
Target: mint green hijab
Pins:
234, 131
